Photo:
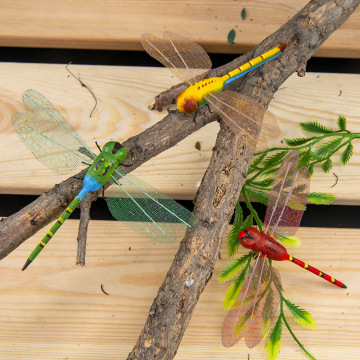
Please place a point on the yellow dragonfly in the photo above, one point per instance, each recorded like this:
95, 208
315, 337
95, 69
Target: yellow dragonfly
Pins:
190, 63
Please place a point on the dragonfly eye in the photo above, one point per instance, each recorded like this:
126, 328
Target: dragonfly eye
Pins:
189, 106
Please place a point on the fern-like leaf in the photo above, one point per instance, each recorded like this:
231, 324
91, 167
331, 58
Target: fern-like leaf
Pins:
258, 195
263, 183
341, 122
321, 198
324, 149
326, 166
346, 155
274, 342
305, 157
315, 127
233, 290
258, 158
231, 269
298, 141
274, 159
301, 316
290, 240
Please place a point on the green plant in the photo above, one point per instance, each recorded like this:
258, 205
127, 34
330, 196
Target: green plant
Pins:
317, 149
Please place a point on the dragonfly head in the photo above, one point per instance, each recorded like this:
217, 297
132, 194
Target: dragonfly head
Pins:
185, 103
248, 237
116, 149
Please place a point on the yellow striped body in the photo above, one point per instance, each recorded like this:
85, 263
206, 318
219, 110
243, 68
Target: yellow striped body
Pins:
194, 96
253, 63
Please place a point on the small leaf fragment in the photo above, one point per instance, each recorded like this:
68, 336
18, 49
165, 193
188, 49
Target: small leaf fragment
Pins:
231, 36
346, 155
341, 122
198, 145
243, 13
319, 198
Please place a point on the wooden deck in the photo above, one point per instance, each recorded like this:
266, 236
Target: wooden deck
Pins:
55, 310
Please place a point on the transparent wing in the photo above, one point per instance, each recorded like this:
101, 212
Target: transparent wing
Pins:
288, 197
270, 130
264, 310
147, 211
46, 133
186, 59
243, 116
253, 312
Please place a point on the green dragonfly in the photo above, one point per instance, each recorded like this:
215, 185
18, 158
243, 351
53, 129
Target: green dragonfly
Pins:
56, 144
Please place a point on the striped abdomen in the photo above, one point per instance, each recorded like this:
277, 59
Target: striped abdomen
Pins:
317, 272
52, 232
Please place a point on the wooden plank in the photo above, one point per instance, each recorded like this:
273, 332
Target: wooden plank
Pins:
119, 24
123, 97
55, 310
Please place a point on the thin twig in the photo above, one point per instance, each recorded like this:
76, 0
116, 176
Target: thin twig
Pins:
336, 179
102, 289
83, 85
85, 206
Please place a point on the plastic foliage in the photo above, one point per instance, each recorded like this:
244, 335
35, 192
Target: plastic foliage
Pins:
314, 150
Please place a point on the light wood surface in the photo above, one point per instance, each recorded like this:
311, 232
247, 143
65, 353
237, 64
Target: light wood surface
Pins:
123, 95
55, 310
119, 24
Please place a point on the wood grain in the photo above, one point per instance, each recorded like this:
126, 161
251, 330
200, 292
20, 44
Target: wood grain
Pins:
123, 95
55, 310
119, 24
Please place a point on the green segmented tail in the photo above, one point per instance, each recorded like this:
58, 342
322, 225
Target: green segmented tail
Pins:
52, 232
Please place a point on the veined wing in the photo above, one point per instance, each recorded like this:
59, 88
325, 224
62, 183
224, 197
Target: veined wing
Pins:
146, 210
288, 197
243, 116
186, 59
46, 133
252, 313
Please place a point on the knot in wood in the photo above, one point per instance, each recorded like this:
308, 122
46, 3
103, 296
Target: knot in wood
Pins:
219, 194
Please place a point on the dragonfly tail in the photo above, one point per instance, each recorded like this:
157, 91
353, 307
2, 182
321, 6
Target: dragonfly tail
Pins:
52, 232
317, 272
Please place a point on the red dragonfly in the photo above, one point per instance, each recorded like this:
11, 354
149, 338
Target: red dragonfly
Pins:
259, 297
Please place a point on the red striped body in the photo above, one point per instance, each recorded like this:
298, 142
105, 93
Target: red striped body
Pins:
265, 245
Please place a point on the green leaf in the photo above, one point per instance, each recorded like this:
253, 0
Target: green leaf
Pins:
326, 166
341, 122
299, 141
274, 342
198, 145
231, 269
262, 183
301, 316
243, 13
258, 195
305, 157
231, 36
258, 158
346, 155
233, 290
289, 240
324, 149
315, 127
321, 198
274, 159
232, 239
311, 169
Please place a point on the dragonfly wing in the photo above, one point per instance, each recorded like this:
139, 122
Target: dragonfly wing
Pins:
237, 319
270, 130
288, 197
242, 115
146, 210
186, 59
46, 133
